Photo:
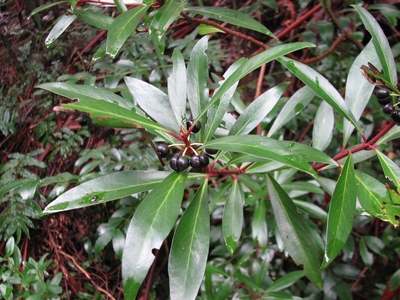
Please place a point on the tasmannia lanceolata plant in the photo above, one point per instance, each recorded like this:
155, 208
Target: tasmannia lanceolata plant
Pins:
193, 133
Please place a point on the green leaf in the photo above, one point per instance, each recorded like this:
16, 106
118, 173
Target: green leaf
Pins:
122, 27
257, 110
295, 232
358, 90
231, 16
58, 29
393, 133
165, 16
292, 108
341, 213
259, 229
10, 245
254, 63
106, 188
15, 184
262, 147
391, 170
112, 115
232, 220
197, 77
285, 281
374, 197
312, 209
205, 29
44, 7
381, 44
95, 19
390, 12
189, 250
149, 226
394, 282
78, 91
366, 256
323, 127
321, 87
154, 102
177, 87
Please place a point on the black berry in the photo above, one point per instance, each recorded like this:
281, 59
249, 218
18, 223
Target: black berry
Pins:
195, 162
211, 151
182, 163
204, 161
385, 101
173, 162
163, 150
388, 109
396, 116
196, 127
382, 93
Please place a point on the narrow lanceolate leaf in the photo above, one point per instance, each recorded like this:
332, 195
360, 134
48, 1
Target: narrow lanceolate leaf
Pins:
177, 87
295, 233
216, 112
189, 250
112, 115
374, 197
154, 102
165, 16
95, 19
393, 133
256, 62
391, 170
358, 90
122, 27
323, 127
292, 107
78, 91
106, 188
257, 110
264, 148
285, 281
149, 226
231, 16
58, 29
321, 87
232, 220
341, 213
197, 77
381, 44
259, 229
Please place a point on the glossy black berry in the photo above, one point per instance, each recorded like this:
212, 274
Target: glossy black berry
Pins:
396, 116
204, 161
388, 109
163, 150
173, 162
211, 151
385, 101
196, 127
182, 163
382, 93
195, 162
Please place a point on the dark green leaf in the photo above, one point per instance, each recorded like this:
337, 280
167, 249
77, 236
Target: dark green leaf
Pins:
106, 188
10, 245
285, 281
295, 232
15, 184
165, 16
323, 127
374, 197
231, 16
262, 147
321, 87
366, 256
58, 29
85, 92
122, 27
177, 87
312, 209
205, 29
44, 7
149, 226
154, 102
232, 220
95, 19
341, 213
358, 90
381, 44
259, 229
394, 282
189, 250
257, 110
292, 107
391, 170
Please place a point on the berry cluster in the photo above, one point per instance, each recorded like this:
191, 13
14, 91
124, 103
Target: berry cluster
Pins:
179, 162
385, 100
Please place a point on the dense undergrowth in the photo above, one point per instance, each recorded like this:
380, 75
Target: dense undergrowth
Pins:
242, 201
